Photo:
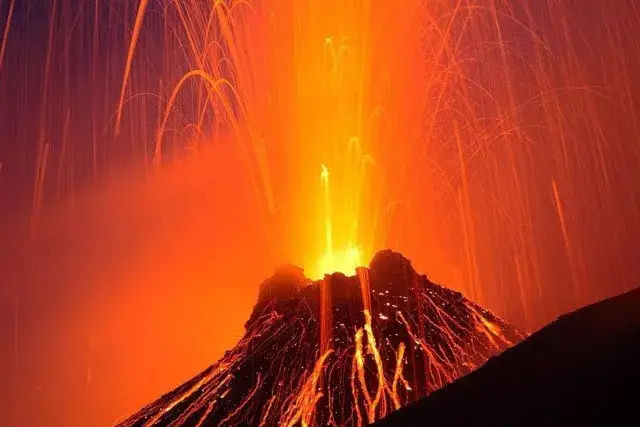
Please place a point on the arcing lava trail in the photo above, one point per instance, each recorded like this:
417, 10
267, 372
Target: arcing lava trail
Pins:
340, 351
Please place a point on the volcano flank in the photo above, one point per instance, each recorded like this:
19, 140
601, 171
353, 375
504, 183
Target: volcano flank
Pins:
338, 351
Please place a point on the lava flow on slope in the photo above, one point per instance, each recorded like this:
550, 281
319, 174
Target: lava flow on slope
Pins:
339, 351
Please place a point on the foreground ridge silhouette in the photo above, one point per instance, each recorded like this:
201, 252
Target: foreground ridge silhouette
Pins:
583, 370
339, 351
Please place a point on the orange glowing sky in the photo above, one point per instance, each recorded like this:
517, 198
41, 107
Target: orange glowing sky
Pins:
159, 159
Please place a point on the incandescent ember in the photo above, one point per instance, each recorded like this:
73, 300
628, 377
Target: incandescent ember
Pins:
339, 351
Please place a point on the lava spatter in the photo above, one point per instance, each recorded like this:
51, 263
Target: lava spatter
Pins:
407, 338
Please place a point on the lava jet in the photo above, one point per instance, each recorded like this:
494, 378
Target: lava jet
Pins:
338, 351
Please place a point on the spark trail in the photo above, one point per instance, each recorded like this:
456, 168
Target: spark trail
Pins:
494, 142
414, 338
397, 100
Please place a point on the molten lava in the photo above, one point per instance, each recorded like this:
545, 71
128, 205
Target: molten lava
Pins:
152, 152
342, 260
393, 337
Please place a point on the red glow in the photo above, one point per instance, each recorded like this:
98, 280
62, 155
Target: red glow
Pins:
157, 160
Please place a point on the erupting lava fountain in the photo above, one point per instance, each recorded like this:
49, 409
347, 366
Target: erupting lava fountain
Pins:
495, 143
318, 99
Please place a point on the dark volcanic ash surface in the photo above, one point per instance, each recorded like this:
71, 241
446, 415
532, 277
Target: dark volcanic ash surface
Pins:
327, 353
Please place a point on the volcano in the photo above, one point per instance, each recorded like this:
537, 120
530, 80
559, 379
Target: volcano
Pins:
338, 351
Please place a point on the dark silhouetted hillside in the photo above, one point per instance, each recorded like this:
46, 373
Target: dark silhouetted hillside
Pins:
582, 369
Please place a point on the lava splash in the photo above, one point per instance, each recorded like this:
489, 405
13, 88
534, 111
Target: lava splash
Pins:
339, 351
